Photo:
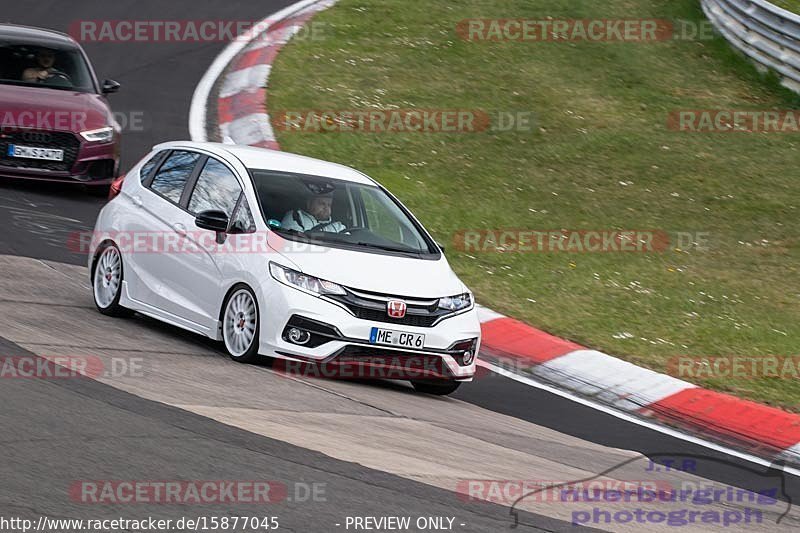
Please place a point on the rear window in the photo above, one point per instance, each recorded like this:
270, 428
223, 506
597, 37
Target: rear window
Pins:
173, 174
148, 168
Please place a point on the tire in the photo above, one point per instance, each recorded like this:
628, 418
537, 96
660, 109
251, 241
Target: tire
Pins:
240, 325
107, 279
437, 388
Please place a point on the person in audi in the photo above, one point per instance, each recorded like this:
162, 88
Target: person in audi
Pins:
45, 66
317, 215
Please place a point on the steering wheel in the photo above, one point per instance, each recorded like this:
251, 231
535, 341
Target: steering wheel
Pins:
58, 75
319, 227
354, 229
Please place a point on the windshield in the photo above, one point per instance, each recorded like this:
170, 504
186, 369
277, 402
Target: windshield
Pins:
337, 213
39, 66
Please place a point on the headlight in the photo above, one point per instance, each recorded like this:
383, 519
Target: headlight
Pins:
456, 303
101, 135
304, 282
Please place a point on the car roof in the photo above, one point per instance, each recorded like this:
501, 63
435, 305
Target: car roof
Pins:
16, 34
264, 159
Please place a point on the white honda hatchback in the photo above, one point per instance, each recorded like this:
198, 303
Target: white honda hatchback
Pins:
306, 261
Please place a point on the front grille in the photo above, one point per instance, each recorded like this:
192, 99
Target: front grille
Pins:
40, 139
421, 321
372, 307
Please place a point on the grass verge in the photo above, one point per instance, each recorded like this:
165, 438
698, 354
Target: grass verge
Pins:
791, 5
600, 157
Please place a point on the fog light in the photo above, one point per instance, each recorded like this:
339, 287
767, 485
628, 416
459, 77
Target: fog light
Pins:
298, 336
469, 356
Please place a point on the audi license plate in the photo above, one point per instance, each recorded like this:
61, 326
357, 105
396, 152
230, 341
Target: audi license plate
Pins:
32, 152
397, 338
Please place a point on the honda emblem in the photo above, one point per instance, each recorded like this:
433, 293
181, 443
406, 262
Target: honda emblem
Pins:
396, 308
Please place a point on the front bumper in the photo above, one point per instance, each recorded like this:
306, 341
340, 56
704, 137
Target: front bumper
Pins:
341, 340
84, 162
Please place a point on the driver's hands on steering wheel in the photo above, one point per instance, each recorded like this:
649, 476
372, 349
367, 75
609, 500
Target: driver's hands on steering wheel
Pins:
319, 227
47, 73
42, 74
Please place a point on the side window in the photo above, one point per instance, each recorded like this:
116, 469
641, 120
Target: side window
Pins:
150, 166
172, 176
242, 220
217, 188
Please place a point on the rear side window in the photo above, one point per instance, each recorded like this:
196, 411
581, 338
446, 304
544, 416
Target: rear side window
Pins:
148, 168
173, 174
217, 188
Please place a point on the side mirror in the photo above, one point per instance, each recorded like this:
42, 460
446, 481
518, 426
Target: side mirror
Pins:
440, 245
110, 86
212, 220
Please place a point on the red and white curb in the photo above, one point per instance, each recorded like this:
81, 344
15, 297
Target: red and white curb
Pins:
242, 72
512, 347
760, 429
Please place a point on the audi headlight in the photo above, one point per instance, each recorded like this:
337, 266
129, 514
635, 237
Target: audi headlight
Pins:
102, 135
304, 282
456, 303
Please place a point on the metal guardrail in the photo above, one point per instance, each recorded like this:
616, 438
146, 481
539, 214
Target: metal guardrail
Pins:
767, 34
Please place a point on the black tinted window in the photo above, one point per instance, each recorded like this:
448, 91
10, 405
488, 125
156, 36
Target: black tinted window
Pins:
172, 175
217, 188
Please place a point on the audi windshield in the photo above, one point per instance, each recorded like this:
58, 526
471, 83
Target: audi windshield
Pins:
42, 66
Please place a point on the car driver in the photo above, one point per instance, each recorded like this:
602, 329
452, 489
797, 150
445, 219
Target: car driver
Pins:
315, 217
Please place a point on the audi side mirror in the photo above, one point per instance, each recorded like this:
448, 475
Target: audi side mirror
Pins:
110, 86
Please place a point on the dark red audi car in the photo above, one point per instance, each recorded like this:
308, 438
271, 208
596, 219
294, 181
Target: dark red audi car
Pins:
55, 122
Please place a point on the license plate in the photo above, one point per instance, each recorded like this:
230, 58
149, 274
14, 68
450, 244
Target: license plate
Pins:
397, 338
32, 152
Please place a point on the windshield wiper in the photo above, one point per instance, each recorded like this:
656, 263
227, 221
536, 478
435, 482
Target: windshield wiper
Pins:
287, 230
389, 248
332, 238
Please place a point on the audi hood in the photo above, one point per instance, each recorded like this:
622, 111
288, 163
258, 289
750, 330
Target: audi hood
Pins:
41, 108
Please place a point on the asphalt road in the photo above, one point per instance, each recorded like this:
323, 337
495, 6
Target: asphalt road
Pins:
198, 416
80, 430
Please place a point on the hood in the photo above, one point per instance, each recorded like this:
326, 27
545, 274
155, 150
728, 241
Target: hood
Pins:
373, 272
52, 109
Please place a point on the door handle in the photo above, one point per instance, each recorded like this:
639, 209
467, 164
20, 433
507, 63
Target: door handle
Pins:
180, 229
137, 201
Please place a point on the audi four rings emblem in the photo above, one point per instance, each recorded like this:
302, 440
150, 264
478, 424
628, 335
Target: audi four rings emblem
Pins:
36, 137
396, 308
